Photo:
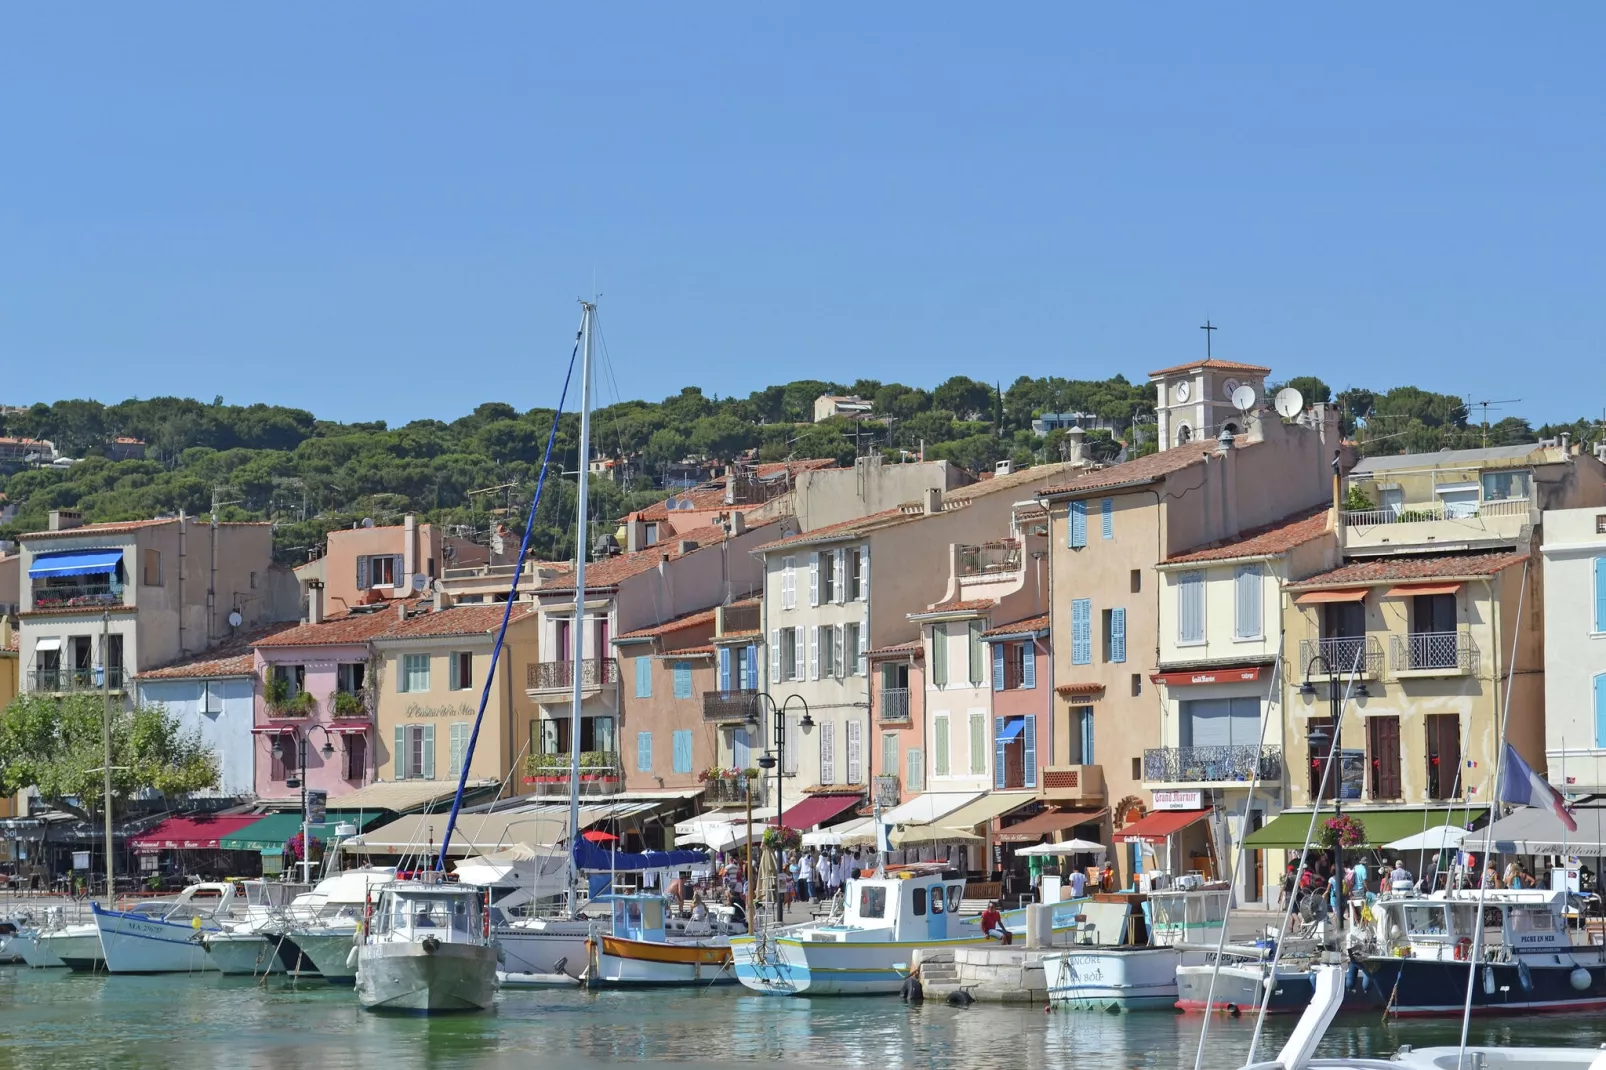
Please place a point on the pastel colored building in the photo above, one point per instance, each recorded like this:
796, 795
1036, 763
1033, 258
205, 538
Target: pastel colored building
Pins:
1575, 648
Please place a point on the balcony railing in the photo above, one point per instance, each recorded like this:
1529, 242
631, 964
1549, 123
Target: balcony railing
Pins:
1190, 765
599, 774
888, 792
72, 595
74, 679
990, 558
350, 705
1427, 652
735, 619
595, 673
1431, 511
894, 705
728, 707
1343, 654
733, 790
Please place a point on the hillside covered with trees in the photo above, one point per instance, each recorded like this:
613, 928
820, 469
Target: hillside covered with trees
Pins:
310, 475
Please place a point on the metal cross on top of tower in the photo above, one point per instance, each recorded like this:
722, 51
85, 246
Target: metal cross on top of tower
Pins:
1209, 329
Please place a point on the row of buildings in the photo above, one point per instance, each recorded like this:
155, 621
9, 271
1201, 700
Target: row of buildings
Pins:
1141, 654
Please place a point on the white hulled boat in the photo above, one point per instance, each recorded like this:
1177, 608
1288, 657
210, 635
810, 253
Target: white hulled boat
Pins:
137, 942
76, 947
637, 949
427, 948
1142, 975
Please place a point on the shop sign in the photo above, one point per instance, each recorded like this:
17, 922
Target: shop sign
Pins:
1179, 800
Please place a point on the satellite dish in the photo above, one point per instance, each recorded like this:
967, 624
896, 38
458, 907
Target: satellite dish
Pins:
1289, 403
1243, 399
235, 618
420, 581
367, 521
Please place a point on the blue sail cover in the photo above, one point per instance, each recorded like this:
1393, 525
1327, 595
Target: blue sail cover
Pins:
75, 563
590, 856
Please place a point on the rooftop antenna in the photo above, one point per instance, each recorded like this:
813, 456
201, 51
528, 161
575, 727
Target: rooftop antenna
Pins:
1486, 406
1289, 403
1209, 329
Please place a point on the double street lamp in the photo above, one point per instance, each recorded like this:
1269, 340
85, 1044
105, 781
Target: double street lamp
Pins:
327, 751
1320, 742
776, 761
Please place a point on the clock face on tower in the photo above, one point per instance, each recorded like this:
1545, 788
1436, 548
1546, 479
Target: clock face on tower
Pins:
1230, 387
1183, 390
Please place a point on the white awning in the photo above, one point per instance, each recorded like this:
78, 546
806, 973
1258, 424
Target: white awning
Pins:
927, 808
833, 836
52, 643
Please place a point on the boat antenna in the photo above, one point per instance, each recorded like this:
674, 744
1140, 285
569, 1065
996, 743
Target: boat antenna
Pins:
588, 311
1488, 830
507, 613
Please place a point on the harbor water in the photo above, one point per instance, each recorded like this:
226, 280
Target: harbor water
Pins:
64, 1021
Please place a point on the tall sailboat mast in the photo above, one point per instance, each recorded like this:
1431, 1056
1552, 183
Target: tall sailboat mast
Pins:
577, 631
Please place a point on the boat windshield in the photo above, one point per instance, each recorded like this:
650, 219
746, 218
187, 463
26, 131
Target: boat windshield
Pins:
872, 902
424, 914
955, 894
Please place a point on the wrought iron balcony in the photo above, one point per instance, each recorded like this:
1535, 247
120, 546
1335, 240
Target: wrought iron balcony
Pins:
736, 789
1193, 765
90, 593
1343, 654
595, 674
728, 707
888, 792
996, 558
1433, 653
894, 704
61, 680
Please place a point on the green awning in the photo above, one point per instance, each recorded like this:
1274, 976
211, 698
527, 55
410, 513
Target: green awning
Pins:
1384, 825
275, 830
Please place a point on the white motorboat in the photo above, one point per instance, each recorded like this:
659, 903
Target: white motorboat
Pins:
637, 949
243, 948
427, 948
327, 944
137, 942
1141, 975
314, 934
76, 947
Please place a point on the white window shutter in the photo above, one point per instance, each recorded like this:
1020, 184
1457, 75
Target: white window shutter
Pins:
814, 652
855, 752
839, 655
814, 579
794, 731
775, 655
864, 573
839, 576
827, 752
864, 645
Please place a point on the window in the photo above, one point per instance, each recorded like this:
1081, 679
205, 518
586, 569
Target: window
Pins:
682, 741
936, 899
827, 731
1343, 620
1190, 608
974, 648
1459, 500
915, 770
889, 754
1114, 631
457, 749
872, 901
415, 672
378, 570
1137, 581
1600, 523
1082, 735
1081, 631
1014, 664
1137, 768
683, 679
356, 757
643, 677
643, 752
1321, 786
415, 752
939, 655
151, 568
978, 743
350, 676
855, 567
939, 745
1077, 525
461, 664
791, 664
1501, 486
562, 642
294, 677
1219, 722
855, 650
830, 640
650, 534
831, 576
1107, 515
1444, 752
1247, 602
855, 751
918, 900
788, 583
1137, 684
278, 750
1383, 752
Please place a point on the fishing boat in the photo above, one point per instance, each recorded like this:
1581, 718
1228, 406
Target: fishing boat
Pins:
1526, 959
427, 948
143, 941
638, 951
1139, 973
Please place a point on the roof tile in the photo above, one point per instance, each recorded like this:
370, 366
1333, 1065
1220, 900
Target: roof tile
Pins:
615, 570
1212, 364
459, 620
1404, 567
232, 658
1020, 627
1141, 470
345, 630
116, 527
1274, 538
689, 620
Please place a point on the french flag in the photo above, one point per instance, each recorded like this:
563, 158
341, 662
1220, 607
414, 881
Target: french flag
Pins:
1524, 787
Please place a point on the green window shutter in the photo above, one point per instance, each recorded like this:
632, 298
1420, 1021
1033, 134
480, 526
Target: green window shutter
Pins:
939, 756
398, 756
429, 752
939, 655
978, 744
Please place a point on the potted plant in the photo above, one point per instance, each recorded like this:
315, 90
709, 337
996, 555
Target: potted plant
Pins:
348, 704
1343, 831
276, 692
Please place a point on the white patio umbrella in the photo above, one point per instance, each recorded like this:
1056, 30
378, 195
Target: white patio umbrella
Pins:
1438, 838
1061, 850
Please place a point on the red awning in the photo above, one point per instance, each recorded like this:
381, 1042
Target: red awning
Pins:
1410, 590
1207, 676
356, 729
272, 729
194, 832
1158, 825
817, 808
1311, 598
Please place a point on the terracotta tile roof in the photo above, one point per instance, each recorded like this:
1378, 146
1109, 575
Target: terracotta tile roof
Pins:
916, 647
347, 629
689, 651
615, 570
689, 620
1273, 538
1395, 569
233, 658
1074, 690
114, 528
847, 529
1214, 365
967, 605
1142, 470
999, 484
15, 642
459, 620
711, 495
738, 637
1020, 627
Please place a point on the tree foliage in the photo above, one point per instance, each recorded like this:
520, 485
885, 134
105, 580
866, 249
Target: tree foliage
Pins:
57, 746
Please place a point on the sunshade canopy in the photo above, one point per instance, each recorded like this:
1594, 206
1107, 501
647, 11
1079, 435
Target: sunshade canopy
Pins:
1287, 830
1061, 850
1313, 598
1531, 830
1158, 825
926, 835
927, 808
1047, 823
192, 832
75, 563
846, 832
270, 833
984, 809
1441, 838
818, 809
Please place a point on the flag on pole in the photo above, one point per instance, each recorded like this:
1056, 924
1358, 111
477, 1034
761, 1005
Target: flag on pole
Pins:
1524, 787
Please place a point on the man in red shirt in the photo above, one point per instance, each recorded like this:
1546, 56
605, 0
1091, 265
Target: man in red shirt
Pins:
992, 924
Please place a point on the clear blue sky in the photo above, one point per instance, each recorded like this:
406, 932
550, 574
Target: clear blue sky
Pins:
388, 210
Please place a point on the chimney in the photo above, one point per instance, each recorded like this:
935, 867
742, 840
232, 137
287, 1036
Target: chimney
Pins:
933, 504
65, 519
1224, 440
442, 600
1076, 445
401, 609
409, 551
738, 523
635, 532
1564, 437
686, 546
314, 601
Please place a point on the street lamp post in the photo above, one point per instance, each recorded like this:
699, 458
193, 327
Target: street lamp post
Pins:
1316, 740
327, 751
776, 761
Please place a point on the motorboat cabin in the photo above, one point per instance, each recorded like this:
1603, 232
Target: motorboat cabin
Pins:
914, 904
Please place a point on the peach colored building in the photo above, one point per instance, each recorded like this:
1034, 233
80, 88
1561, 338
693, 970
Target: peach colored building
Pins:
363, 565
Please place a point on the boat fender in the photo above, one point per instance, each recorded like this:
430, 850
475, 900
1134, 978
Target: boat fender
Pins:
1524, 976
913, 991
351, 959
1580, 979
1463, 949
430, 944
1488, 980
960, 998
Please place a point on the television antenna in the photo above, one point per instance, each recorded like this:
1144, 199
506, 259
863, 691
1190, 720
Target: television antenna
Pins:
1486, 406
1289, 403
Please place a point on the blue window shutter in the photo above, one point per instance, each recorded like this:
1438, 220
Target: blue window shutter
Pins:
682, 741
643, 752
1030, 749
1087, 736
752, 667
998, 752
1600, 594
1117, 635
998, 666
1600, 710
724, 668
1107, 510
1028, 665
1078, 525
644, 678
683, 679
1081, 631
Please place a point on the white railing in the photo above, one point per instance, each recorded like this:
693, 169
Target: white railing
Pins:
1430, 511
